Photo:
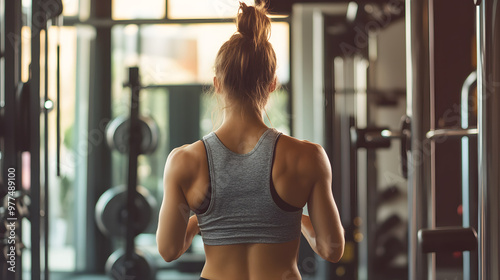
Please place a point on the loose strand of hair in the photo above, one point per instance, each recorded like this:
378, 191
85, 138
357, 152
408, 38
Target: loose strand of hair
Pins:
269, 119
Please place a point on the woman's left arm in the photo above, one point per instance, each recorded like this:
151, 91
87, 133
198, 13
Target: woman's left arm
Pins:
175, 229
192, 230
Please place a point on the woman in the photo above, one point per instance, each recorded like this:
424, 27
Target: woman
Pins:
246, 182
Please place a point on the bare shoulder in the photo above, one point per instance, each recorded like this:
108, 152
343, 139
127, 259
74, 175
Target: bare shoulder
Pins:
187, 152
185, 161
304, 149
305, 155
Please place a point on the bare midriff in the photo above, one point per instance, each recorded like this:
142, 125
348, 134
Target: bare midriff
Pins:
252, 261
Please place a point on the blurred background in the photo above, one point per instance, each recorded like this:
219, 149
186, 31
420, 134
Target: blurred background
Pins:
388, 87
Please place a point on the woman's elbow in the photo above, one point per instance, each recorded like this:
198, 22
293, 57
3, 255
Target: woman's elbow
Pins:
336, 254
333, 250
169, 254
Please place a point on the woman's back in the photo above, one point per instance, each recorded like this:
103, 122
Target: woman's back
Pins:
292, 178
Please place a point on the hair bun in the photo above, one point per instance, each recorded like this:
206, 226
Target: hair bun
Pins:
253, 23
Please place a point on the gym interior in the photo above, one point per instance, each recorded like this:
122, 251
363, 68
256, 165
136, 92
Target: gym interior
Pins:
404, 96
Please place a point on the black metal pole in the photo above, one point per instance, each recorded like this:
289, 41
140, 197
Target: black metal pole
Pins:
99, 154
488, 100
38, 22
417, 99
11, 171
58, 101
45, 206
134, 138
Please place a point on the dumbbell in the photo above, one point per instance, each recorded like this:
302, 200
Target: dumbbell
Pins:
388, 194
391, 222
391, 248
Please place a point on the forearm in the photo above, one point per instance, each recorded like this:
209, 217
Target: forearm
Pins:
330, 248
191, 231
308, 232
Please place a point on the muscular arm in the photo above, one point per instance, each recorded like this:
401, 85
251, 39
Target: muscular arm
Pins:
175, 229
323, 229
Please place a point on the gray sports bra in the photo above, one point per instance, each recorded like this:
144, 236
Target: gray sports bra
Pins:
242, 205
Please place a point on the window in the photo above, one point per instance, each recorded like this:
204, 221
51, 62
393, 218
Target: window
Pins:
182, 53
133, 9
193, 9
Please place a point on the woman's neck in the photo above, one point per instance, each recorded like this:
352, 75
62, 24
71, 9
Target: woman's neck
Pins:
242, 119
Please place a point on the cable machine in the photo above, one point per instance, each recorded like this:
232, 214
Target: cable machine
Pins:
483, 238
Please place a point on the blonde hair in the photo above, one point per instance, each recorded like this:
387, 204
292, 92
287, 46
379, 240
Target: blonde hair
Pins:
245, 65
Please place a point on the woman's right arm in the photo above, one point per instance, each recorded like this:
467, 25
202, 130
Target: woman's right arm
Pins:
322, 228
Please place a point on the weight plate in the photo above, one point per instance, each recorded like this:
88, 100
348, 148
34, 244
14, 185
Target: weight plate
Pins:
111, 211
140, 266
117, 134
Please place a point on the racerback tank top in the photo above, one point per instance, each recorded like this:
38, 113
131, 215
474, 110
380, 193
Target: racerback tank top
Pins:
243, 205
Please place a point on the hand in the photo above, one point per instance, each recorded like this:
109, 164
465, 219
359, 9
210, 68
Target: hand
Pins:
306, 227
193, 225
